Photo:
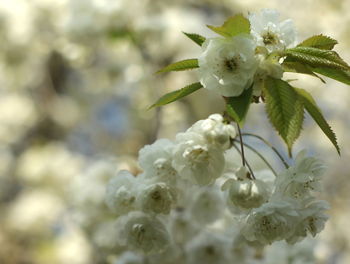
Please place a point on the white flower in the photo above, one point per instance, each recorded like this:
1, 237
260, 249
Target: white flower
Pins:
156, 198
247, 194
142, 232
182, 226
271, 222
269, 32
268, 66
282, 252
156, 161
300, 179
227, 65
172, 255
129, 257
312, 220
207, 205
196, 160
121, 193
243, 193
208, 248
215, 130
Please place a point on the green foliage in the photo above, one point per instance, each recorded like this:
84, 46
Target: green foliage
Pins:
298, 67
317, 58
312, 108
176, 95
233, 26
237, 107
180, 66
284, 109
195, 37
325, 62
341, 75
320, 42
284, 104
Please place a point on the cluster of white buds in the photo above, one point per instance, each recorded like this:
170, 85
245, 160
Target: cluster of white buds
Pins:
228, 66
191, 204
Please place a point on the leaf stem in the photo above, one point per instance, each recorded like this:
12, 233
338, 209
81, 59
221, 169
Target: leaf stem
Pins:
269, 145
260, 156
241, 142
250, 169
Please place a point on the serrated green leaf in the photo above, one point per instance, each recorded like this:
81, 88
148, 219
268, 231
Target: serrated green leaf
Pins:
320, 42
314, 111
195, 37
284, 109
233, 26
176, 95
237, 107
180, 66
340, 75
317, 58
297, 67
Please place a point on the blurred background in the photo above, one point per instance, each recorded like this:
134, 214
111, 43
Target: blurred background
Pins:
76, 78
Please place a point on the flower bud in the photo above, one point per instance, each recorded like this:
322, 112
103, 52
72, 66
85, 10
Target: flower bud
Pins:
247, 193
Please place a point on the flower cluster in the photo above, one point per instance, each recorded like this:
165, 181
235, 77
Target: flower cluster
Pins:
190, 204
292, 211
196, 159
230, 65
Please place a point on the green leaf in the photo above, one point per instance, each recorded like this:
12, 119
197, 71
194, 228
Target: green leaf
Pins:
180, 66
237, 107
314, 111
233, 26
340, 75
284, 109
298, 67
176, 95
317, 58
195, 37
325, 62
320, 42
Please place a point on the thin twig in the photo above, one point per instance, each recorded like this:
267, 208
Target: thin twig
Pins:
260, 156
272, 147
241, 142
250, 169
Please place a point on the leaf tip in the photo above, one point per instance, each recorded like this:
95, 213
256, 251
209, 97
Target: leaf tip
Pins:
150, 107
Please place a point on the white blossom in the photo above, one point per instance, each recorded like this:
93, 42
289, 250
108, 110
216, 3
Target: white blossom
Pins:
196, 160
121, 193
208, 248
302, 178
156, 161
245, 193
129, 257
282, 252
157, 198
271, 222
182, 226
215, 130
268, 66
172, 255
207, 205
269, 32
227, 65
142, 232
312, 220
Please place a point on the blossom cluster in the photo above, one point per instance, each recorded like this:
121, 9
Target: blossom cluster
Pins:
230, 65
190, 204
